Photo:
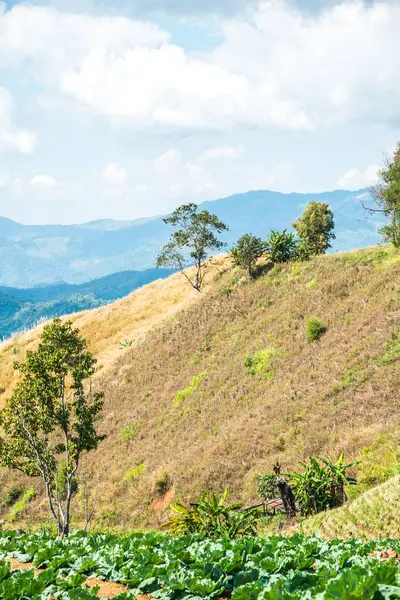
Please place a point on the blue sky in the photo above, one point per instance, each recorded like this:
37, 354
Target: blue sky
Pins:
128, 108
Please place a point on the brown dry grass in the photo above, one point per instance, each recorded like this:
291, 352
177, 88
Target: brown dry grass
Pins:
235, 424
106, 327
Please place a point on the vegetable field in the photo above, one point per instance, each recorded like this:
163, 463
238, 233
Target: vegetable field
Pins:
190, 567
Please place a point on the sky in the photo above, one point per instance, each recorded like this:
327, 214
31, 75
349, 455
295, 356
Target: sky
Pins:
128, 108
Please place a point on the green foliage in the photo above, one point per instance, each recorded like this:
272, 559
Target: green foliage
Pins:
129, 433
195, 238
20, 505
267, 487
315, 229
387, 197
13, 495
392, 350
50, 420
212, 517
62, 481
354, 377
259, 363
379, 461
281, 246
126, 344
162, 484
315, 329
190, 389
321, 485
247, 251
136, 472
159, 566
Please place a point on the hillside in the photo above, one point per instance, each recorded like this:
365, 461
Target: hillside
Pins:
21, 308
376, 513
183, 410
36, 255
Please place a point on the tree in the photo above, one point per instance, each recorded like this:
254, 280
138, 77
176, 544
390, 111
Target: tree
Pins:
315, 229
281, 246
50, 420
247, 251
193, 241
386, 194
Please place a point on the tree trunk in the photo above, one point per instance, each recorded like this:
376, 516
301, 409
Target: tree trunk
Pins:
287, 496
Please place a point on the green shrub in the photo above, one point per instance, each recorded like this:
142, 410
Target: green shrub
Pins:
267, 487
247, 251
321, 485
20, 505
162, 484
130, 432
136, 472
315, 329
260, 363
392, 351
354, 377
13, 495
281, 246
190, 389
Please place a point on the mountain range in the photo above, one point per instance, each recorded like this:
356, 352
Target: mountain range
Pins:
48, 254
22, 308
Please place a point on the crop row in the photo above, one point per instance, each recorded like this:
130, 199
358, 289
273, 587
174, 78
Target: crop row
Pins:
191, 567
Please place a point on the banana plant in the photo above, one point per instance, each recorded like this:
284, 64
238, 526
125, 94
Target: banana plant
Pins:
211, 516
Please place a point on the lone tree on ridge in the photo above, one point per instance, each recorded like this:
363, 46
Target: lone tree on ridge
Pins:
195, 238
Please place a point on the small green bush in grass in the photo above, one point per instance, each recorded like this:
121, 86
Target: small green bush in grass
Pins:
136, 472
162, 484
392, 351
20, 505
259, 363
13, 495
190, 389
130, 431
315, 329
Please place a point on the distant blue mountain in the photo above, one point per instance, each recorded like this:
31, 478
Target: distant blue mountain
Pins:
48, 254
21, 308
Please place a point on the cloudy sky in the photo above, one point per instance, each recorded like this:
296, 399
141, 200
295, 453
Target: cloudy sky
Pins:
127, 108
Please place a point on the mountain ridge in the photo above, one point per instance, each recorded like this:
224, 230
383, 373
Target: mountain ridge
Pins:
31, 255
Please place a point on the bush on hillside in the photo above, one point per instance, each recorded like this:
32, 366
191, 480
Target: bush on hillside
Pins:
281, 246
13, 495
247, 251
259, 363
315, 329
162, 484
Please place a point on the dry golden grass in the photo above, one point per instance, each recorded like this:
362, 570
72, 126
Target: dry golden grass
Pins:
234, 424
106, 327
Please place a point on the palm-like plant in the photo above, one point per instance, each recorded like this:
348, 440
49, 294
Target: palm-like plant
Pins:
321, 486
211, 516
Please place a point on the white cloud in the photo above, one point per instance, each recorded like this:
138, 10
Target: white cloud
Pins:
222, 152
276, 67
355, 179
114, 174
11, 137
43, 180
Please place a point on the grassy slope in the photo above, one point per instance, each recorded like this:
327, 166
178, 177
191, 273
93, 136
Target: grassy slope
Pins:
374, 514
229, 424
